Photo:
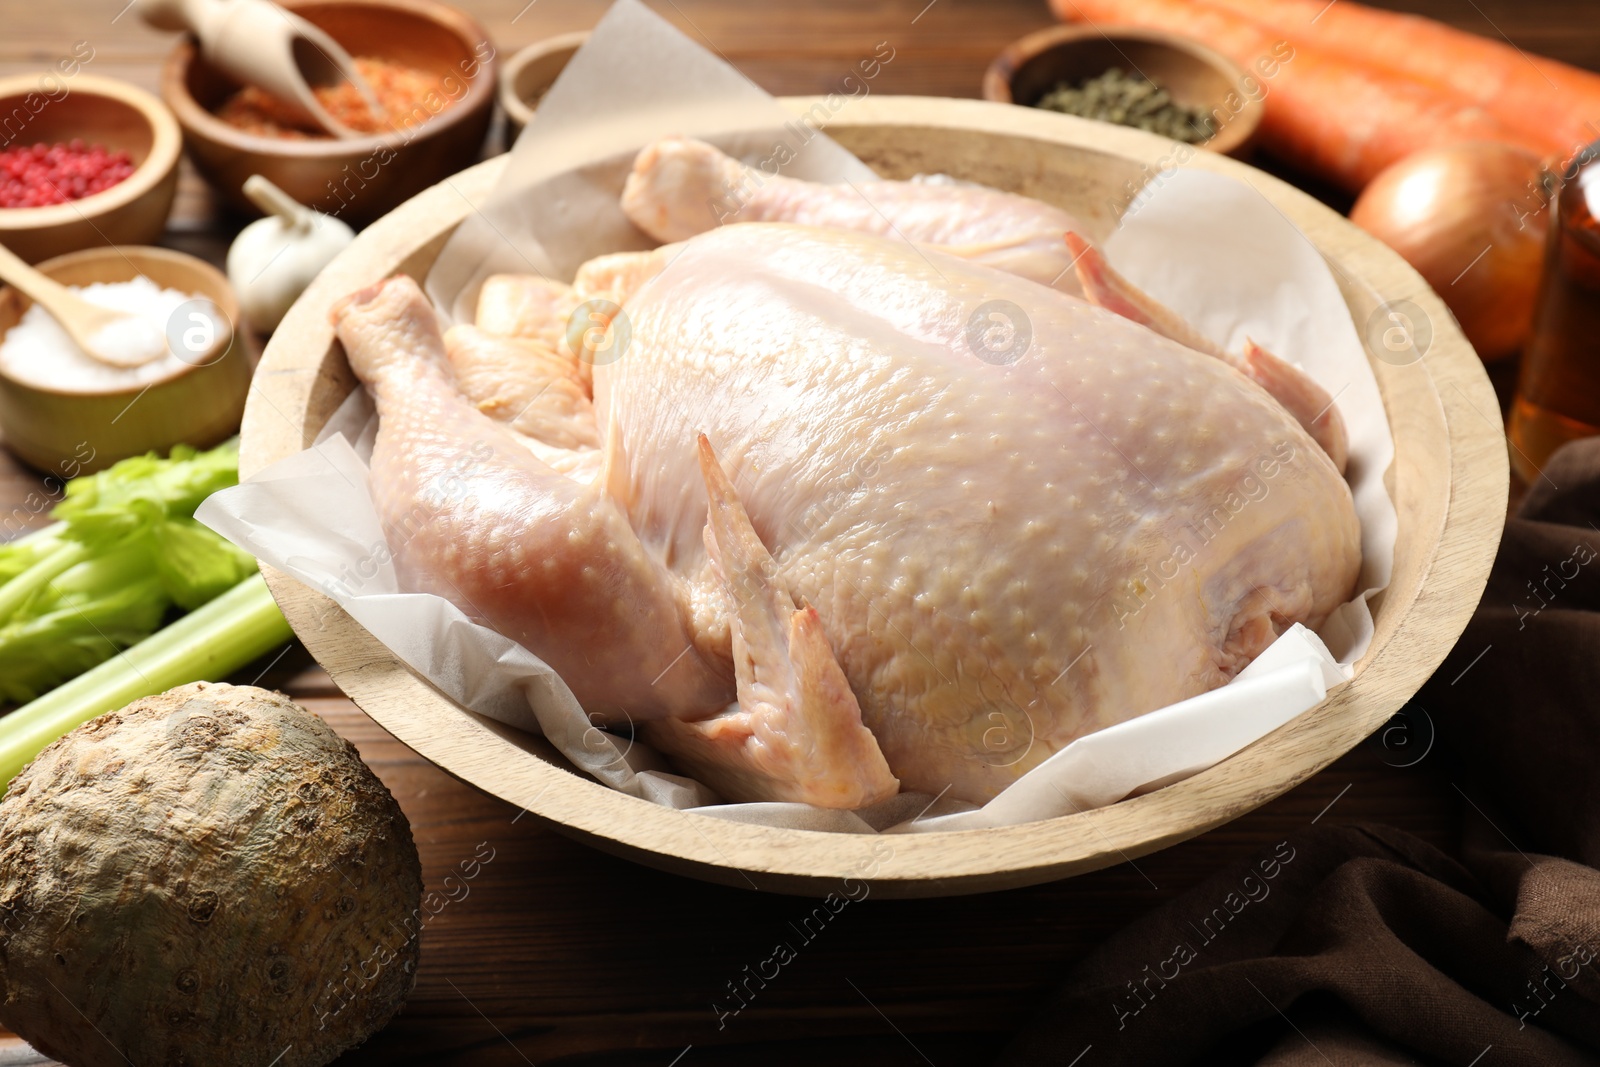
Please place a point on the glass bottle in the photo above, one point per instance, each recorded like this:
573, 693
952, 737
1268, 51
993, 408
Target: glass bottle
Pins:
1558, 389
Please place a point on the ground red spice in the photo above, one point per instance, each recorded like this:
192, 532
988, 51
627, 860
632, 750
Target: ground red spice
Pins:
409, 96
42, 174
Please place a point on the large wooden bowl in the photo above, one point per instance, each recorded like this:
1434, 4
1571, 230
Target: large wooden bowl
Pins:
1449, 483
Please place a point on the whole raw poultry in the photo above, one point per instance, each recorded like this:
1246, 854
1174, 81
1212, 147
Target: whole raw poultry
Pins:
811, 536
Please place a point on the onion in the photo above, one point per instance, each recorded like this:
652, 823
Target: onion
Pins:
1471, 219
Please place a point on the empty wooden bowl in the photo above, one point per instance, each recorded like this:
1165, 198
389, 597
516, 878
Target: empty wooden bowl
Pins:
1194, 74
1449, 482
528, 75
69, 432
360, 179
100, 111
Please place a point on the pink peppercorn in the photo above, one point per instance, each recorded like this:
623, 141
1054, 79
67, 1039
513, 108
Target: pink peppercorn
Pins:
42, 174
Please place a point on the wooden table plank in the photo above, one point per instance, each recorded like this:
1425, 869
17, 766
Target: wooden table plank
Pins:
559, 953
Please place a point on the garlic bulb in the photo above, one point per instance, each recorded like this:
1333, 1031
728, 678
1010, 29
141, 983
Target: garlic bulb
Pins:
273, 259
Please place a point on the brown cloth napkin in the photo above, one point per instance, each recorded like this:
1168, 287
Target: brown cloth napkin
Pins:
1364, 945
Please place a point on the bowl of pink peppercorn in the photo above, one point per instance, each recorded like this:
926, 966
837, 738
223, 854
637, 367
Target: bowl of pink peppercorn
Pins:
85, 161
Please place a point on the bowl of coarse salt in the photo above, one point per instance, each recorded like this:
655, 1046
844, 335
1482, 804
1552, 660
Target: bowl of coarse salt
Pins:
66, 413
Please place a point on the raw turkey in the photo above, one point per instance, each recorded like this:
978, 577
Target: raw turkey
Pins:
770, 495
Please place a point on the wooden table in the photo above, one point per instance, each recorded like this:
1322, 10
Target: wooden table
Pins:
560, 954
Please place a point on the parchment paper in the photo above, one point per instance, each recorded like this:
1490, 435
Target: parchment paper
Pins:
1206, 245
636, 79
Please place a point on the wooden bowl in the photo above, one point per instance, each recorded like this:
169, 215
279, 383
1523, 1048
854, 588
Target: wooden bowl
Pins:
1449, 483
100, 111
361, 179
530, 73
66, 433
1194, 74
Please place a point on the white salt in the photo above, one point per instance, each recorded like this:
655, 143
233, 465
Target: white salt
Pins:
127, 342
38, 352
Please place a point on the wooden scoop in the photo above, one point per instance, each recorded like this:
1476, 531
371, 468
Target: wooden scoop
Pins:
115, 338
264, 45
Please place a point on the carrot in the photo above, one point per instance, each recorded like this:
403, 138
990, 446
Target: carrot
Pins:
1324, 114
1524, 91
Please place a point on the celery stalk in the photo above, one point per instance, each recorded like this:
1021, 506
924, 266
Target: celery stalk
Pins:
20, 553
36, 577
209, 643
125, 552
43, 534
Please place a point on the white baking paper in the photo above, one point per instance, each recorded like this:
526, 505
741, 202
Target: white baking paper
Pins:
636, 79
1206, 245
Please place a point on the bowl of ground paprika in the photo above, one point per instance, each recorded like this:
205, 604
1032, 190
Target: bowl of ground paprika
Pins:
432, 69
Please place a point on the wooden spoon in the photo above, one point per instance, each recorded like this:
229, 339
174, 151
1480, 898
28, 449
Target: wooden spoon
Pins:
116, 338
262, 44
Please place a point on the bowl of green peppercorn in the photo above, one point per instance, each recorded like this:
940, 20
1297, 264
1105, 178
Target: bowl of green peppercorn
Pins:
1148, 79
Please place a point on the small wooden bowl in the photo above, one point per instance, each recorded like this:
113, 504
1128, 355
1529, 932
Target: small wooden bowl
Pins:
1449, 483
529, 74
69, 433
100, 111
1194, 74
360, 179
